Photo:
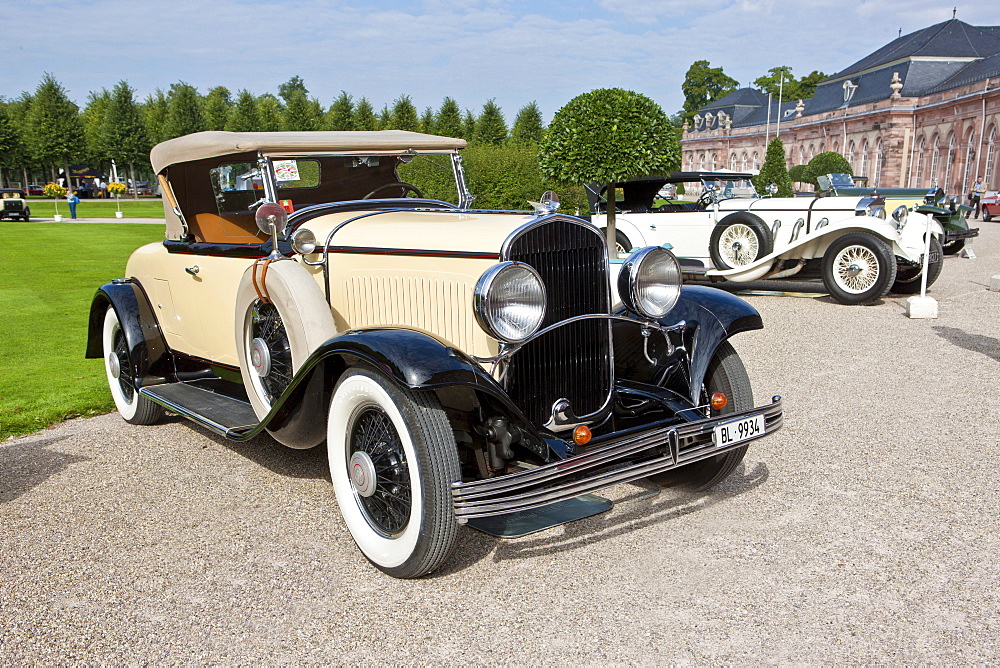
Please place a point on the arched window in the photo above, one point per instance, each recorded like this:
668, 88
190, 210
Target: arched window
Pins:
812, 153
746, 161
701, 161
732, 162
756, 160
836, 147
990, 155
712, 168
948, 162
850, 156
918, 177
879, 162
970, 156
822, 147
864, 157
935, 160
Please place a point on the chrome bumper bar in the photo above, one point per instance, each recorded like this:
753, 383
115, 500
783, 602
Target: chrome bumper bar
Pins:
672, 447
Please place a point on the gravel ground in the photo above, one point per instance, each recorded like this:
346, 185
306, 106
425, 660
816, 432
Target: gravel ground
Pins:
865, 531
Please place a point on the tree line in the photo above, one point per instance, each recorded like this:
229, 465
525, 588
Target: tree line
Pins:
45, 131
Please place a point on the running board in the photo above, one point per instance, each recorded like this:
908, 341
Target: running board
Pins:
222, 414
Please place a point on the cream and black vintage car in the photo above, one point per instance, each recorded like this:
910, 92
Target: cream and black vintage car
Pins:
459, 364
13, 205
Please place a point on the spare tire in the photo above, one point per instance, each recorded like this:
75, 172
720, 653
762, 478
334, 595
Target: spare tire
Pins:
739, 239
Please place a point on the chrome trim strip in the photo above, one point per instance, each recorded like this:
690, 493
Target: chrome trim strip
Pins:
546, 484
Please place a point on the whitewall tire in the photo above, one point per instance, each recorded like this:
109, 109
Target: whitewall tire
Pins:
134, 408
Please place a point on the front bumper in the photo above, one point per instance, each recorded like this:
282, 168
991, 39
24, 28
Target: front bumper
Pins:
618, 460
955, 235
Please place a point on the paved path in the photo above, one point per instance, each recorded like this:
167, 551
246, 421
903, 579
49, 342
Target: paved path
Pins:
70, 221
865, 531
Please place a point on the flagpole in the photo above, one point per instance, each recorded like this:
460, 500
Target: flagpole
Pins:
777, 124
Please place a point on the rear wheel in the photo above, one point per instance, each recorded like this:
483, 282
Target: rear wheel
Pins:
908, 277
134, 408
858, 268
392, 461
726, 374
954, 247
26, 216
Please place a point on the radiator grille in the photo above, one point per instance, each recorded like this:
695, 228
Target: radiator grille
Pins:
574, 361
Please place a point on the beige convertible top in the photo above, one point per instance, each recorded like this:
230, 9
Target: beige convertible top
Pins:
202, 145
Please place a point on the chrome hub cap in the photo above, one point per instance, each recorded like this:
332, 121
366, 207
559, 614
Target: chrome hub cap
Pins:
260, 357
363, 474
114, 367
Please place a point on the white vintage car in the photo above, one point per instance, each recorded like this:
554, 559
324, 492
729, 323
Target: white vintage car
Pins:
462, 366
731, 233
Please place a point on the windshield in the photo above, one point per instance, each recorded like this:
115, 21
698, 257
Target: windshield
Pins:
730, 188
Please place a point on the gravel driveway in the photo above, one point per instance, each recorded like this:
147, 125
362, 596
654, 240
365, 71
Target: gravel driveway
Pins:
865, 531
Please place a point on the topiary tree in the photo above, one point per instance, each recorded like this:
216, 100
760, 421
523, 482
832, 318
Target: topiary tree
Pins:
798, 174
774, 171
826, 163
606, 136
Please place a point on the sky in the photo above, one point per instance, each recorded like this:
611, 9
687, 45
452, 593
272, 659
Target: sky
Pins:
514, 51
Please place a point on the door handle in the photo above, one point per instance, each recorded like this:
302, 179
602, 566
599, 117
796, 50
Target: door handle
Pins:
192, 270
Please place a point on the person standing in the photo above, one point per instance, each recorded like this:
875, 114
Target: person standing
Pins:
72, 200
976, 196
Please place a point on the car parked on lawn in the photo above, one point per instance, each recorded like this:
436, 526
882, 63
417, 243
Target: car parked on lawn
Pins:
459, 364
731, 233
950, 213
13, 205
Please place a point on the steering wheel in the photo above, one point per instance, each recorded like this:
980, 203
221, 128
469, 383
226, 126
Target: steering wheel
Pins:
706, 198
396, 184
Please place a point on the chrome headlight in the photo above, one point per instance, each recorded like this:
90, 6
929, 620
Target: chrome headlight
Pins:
650, 282
303, 241
509, 301
900, 215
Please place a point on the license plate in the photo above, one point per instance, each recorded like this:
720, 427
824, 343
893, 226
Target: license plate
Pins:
735, 431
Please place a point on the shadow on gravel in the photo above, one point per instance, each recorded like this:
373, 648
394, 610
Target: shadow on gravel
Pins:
650, 505
264, 451
977, 343
24, 466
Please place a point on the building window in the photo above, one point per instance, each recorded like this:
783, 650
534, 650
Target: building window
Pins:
732, 162
756, 160
949, 160
864, 158
701, 162
746, 161
918, 178
850, 157
990, 154
935, 159
970, 155
879, 162
712, 168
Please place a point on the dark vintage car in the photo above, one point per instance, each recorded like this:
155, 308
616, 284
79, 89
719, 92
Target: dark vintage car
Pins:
459, 364
13, 205
948, 211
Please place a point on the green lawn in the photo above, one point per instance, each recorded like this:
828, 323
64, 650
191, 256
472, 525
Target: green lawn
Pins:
48, 276
98, 208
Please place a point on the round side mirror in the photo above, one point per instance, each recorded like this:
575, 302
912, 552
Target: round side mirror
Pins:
772, 188
271, 214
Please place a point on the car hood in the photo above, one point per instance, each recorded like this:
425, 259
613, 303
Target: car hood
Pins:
791, 204
480, 232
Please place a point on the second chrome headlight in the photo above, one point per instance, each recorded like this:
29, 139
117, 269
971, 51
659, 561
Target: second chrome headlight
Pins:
650, 282
509, 301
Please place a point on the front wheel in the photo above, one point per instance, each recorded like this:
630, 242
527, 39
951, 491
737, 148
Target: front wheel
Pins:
725, 374
622, 243
392, 461
739, 239
134, 408
858, 268
908, 277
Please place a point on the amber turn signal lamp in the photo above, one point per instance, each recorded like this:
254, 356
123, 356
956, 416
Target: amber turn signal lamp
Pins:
582, 435
719, 401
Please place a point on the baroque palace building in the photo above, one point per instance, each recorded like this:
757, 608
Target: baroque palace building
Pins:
923, 109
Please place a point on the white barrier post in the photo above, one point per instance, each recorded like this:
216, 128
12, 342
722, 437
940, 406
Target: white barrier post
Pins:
923, 306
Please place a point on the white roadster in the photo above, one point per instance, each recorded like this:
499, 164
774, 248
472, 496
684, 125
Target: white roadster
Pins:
731, 233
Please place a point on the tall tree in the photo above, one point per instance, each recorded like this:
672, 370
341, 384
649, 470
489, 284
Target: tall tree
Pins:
185, 114
428, 122
468, 125
124, 129
217, 105
774, 170
780, 80
491, 128
11, 146
341, 113
449, 119
243, 117
291, 87
56, 132
269, 111
155, 112
704, 84
528, 127
301, 113
385, 118
364, 116
607, 136
19, 110
404, 115
95, 128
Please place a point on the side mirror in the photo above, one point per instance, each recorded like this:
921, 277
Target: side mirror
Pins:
273, 219
772, 189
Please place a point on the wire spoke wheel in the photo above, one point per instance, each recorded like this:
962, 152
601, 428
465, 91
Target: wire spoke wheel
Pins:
270, 352
126, 379
379, 470
738, 245
856, 269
